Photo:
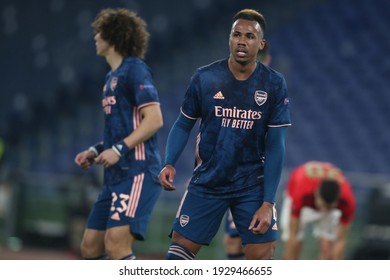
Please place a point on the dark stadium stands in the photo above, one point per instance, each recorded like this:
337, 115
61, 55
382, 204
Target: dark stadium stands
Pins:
333, 54
335, 61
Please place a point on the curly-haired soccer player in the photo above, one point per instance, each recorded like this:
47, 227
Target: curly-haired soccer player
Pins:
129, 151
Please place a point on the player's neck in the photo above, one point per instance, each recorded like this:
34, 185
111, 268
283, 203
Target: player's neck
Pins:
114, 59
241, 71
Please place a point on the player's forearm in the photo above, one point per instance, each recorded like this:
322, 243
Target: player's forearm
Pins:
147, 128
273, 165
151, 122
177, 139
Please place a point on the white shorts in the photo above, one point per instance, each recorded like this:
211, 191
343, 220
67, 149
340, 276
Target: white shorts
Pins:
324, 224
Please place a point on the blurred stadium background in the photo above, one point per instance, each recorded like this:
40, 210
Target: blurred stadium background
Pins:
333, 53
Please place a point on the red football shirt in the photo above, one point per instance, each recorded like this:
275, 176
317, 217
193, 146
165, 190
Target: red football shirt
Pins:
306, 178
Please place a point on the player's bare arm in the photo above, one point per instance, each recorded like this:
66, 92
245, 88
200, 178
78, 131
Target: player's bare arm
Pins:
151, 122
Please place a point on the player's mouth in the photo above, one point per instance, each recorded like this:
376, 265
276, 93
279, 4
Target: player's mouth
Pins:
241, 52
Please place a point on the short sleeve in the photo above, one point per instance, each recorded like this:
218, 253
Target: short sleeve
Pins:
191, 106
142, 84
280, 114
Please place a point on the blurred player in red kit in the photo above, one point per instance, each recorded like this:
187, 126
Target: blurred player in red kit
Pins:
318, 193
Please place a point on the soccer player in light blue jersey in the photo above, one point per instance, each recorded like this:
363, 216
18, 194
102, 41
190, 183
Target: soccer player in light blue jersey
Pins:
129, 151
243, 110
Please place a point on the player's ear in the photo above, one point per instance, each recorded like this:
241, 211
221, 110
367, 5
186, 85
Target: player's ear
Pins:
262, 44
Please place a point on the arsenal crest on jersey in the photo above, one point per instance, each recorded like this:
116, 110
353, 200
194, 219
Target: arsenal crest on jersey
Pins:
260, 97
113, 83
184, 219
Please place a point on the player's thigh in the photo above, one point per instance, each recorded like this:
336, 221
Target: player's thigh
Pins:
93, 242
260, 251
232, 245
186, 243
119, 236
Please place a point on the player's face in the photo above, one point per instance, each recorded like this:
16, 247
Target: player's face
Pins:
245, 41
101, 45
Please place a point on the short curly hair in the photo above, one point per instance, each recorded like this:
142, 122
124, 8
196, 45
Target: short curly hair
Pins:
124, 30
250, 14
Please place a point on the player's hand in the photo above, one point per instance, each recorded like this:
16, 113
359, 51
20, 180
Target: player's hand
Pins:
85, 159
166, 177
262, 219
107, 158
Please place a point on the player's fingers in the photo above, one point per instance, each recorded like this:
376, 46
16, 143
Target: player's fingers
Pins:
84, 164
262, 227
78, 159
105, 162
164, 177
166, 184
258, 226
253, 223
169, 187
171, 177
256, 230
98, 160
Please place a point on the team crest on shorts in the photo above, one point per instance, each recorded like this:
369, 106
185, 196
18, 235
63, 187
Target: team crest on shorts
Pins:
184, 219
260, 97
